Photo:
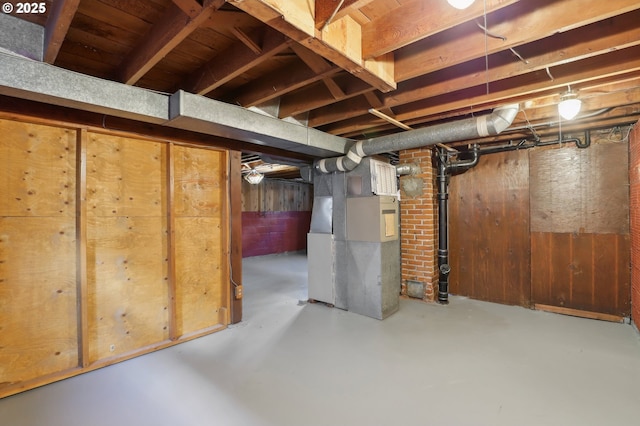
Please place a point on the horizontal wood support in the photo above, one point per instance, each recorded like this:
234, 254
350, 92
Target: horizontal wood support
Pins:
578, 313
339, 42
41, 381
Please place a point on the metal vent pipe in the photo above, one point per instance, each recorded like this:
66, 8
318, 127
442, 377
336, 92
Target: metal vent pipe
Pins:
468, 128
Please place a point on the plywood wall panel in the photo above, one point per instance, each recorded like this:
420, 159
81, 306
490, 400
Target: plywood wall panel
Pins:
127, 286
86, 241
125, 176
580, 190
37, 297
127, 252
36, 170
200, 273
199, 182
200, 243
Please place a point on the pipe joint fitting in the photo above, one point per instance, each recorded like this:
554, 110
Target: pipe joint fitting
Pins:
445, 268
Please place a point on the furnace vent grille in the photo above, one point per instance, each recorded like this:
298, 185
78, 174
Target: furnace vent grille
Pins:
383, 178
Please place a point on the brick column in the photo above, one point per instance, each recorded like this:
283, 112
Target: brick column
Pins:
634, 217
419, 227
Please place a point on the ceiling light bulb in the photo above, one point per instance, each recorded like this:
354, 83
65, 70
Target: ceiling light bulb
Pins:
460, 4
254, 177
569, 105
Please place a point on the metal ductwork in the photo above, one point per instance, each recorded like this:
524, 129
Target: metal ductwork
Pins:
469, 128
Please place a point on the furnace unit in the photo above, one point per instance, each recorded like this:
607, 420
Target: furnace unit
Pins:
354, 246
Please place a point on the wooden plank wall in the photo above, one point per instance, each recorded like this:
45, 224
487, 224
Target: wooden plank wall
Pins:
110, 246
580, 244
574, 256
276, 196
489, 230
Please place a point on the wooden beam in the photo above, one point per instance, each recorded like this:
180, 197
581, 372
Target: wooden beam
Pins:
529, 22
247, 40
190, 8
57, 26
417, 20
235, 217
339, 42
578, 313
579, 44
174, 331
325, 9
234, 61
335, 90
612, 66
603, 69
174, 26
278, 83
314, 97
315, 62
81, 248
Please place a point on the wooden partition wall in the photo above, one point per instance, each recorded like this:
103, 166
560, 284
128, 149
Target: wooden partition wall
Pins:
547, 228
110, 246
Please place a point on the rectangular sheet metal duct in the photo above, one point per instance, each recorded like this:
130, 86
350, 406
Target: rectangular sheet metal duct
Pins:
205, 115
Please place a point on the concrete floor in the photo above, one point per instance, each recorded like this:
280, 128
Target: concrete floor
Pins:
291, 363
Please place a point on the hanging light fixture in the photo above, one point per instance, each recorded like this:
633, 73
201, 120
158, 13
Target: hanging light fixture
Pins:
569, 105
254, 177
460, 4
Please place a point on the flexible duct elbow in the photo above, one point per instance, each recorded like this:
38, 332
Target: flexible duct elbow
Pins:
468, 128
502, 117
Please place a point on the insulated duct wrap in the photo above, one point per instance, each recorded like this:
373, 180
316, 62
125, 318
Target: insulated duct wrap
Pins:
469, 128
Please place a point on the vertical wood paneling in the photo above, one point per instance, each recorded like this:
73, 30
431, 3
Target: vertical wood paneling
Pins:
276, 195
489, 230
587, 272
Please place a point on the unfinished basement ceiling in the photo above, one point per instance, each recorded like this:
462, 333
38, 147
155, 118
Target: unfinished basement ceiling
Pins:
419, 62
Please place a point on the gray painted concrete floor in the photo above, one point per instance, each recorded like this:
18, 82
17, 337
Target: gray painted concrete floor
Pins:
291, 363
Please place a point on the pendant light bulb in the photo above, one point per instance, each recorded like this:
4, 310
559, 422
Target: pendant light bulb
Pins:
569, 105
460, 4
254, 177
